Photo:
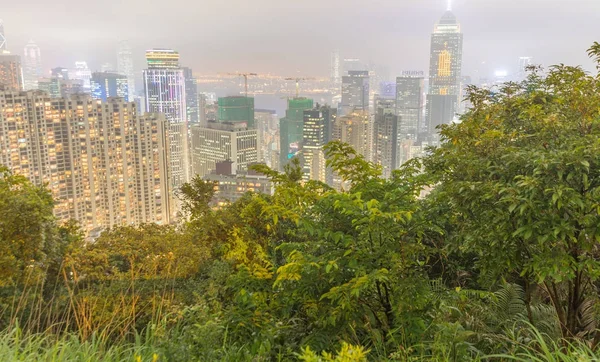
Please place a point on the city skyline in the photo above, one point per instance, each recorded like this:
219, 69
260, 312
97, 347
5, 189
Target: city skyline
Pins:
490, 34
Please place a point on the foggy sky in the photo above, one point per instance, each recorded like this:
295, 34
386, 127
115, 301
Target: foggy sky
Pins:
290, 37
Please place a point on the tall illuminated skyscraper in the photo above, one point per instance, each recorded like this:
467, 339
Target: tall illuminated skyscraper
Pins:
32, 69
445, 67
105, 165
2, 37
385, 136
336, 72
82, 73
409, 103
164, 85
355, 92
11, 73
192, 100
125, 67
313, 157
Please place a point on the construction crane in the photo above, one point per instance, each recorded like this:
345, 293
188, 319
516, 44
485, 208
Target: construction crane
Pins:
245, 75
298, 83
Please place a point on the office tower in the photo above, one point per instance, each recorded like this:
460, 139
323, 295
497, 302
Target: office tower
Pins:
82, 73
222, 141
267, 126
409, 103
236, 109
11, 73
125, 67
330, 114
2, 37
202, 109
385, 136
192, 101
105, 165
32, 69
60, 72
105, 85
355, 92
313, 141
351, 64
354, 129
523, 63
336, 74
232, 184
444, 72
387, 90
291, 128
164, 86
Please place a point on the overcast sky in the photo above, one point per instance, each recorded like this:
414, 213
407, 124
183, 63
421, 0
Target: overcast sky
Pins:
290, 36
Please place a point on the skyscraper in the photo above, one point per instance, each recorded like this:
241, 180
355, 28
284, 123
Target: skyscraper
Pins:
355, 92
409, 103
125, 67
336, 72
164, 86
223, 141
445, 66
313, 157
2, 37
82, 73
192, 101
32, 69
236, 109
105, 85
11, 73
291, 128
524, 62
385, 135
105, 165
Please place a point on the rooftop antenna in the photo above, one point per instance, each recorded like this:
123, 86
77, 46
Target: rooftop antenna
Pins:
449, 8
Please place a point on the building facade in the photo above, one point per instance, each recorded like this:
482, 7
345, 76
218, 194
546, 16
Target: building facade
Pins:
105, 165
445, 70
230, 184
385, 136
236, 109
222, 141
291, 129
125, 67
11, 73
32, 69
106, 85
192, 100
355, 92
164, 86
409, 103
313, 156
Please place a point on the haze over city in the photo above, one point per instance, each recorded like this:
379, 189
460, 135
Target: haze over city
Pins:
296, 37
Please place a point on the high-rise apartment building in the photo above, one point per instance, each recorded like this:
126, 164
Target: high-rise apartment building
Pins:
385, 136
164, 86
445, 67
291, 128
125, 67
11, 73
222, 141
313, 157
355, 92
105, 165
236, 109
409, 103
32, 69
192, 100
106, 85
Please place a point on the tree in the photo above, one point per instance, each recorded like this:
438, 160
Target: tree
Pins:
521, 177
